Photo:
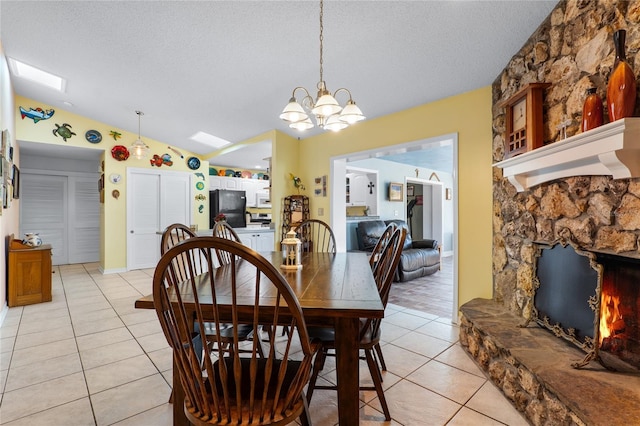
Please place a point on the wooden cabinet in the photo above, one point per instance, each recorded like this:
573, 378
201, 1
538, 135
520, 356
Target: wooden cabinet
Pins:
296, 209
29, 273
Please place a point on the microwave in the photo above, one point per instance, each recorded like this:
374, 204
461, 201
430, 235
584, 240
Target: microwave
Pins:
263, 200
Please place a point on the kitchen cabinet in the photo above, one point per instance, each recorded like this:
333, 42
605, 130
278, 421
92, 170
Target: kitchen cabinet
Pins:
250, 186
29, 273
362, 189
258, 241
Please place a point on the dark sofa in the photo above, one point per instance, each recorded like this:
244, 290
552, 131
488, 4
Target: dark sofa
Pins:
419, 257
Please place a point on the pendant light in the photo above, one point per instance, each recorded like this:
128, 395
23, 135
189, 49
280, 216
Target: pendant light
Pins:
139, 149
329, 114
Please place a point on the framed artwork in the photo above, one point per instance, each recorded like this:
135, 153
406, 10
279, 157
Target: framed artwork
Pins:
395, 191
6, 144
16, 182
410, 190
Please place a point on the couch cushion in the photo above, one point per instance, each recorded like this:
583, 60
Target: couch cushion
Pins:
368, 233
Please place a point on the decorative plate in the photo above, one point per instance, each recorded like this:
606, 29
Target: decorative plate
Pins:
246, 174
93, 136
237, 174
200, 186
229, 172
120, 152
265, 177
260, 175
193, 163
115, 178
213, 171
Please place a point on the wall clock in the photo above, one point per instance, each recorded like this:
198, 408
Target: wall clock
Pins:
524, 119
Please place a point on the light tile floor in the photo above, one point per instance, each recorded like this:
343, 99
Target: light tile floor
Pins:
90, 358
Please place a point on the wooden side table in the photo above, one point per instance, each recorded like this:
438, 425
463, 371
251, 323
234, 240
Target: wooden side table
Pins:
29, 273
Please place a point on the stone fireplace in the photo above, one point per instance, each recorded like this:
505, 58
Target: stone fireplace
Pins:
584, 190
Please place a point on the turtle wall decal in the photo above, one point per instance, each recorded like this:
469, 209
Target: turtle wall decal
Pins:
64, 131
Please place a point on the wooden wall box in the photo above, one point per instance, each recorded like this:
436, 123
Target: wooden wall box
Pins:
29, 273
524, 119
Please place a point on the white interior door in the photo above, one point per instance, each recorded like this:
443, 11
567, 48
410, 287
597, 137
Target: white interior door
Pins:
43, 210
155, 199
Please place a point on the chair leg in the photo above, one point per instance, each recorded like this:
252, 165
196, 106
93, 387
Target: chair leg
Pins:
377, 381
378, 349
318, 365
305, 416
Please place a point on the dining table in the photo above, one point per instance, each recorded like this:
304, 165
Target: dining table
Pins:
334, 290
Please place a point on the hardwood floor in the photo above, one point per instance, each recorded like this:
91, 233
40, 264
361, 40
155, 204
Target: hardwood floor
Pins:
433, 293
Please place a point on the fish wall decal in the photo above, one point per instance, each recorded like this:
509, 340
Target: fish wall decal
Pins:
200, 175
36, 114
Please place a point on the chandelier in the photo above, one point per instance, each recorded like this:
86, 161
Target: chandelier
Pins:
328, 113
138, 148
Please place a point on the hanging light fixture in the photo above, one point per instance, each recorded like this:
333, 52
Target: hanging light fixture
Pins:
327, 111
139, 149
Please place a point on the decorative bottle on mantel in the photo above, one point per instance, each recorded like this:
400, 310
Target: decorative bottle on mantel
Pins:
621, 89
592, 111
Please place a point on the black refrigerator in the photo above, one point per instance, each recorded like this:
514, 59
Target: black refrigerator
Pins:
232, 204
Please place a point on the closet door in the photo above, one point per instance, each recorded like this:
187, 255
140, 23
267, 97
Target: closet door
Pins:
84, 217
155, 199
43, 210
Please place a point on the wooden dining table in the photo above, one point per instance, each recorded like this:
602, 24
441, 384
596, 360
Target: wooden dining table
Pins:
333, 290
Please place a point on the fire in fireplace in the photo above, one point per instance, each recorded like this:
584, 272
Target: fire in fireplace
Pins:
620, 312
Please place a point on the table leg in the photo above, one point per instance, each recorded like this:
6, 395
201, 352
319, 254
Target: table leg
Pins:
347, 351
179, 419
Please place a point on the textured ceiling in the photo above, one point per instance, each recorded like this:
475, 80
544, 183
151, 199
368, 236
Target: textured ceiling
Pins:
228, 67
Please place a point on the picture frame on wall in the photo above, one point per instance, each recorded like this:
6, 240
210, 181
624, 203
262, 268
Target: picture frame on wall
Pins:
16, 182
395, 191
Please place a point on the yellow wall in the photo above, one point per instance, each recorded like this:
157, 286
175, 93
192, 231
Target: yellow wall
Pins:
113, 255
468, 115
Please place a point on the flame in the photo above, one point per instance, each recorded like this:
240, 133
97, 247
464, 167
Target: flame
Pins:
609, 314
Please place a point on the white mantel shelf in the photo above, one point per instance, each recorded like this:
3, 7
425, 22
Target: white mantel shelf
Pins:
611, 149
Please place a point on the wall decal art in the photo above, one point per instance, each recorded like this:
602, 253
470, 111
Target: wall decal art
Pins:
200, 208
176, 151
200, 186
115, 135
63, 131
36, 114
160, 160
193, 163
120, 153
93, 136
200, 175
200, 197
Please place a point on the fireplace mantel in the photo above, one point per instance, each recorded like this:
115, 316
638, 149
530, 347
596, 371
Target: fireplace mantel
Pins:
611, 149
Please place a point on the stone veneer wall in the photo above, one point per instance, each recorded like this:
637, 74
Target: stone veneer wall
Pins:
572, 49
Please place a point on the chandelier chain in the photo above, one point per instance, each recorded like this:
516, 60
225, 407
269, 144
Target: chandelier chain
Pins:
321, 42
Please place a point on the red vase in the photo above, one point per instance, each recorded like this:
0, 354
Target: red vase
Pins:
621, 89
592, 111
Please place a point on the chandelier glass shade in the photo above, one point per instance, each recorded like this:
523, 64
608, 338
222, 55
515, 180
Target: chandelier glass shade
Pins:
138, 148
328, 113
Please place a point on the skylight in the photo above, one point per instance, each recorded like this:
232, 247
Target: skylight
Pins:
209, 140
28, 72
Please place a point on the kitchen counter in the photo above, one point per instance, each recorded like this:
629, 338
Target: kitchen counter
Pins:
361, 218
249, 229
